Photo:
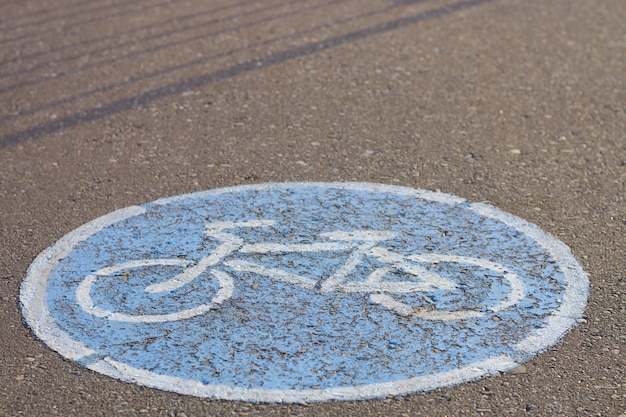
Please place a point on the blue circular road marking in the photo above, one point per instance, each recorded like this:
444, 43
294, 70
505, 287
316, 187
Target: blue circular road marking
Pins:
300, 292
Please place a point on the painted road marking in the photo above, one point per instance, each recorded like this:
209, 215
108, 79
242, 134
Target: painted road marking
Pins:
302, 292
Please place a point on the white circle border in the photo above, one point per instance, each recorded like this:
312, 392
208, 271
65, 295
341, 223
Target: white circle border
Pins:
39, 319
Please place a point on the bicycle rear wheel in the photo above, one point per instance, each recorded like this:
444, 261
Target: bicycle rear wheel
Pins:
132, 270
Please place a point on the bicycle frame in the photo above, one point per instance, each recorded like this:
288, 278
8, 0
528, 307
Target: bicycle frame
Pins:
359, 244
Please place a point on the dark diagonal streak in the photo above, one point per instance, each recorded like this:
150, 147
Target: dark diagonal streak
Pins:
233, 71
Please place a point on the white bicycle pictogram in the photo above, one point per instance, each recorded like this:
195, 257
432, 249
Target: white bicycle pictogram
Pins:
358, 244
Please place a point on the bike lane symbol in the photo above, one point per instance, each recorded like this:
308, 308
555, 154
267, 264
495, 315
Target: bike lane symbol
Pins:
304, 292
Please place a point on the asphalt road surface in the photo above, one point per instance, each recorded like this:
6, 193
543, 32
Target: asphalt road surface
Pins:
517, 103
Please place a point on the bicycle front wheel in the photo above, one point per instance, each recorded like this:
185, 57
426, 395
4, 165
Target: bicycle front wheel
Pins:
474, 287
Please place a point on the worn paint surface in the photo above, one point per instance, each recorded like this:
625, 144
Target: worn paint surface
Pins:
304, 292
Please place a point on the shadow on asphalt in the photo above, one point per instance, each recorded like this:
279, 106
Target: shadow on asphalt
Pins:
147, 97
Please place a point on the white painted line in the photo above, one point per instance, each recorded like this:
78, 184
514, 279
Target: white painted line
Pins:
361, 392
231, 243
576, 292
334, 281
276, 274
33, 289
360, 235
305, 247
430, 280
